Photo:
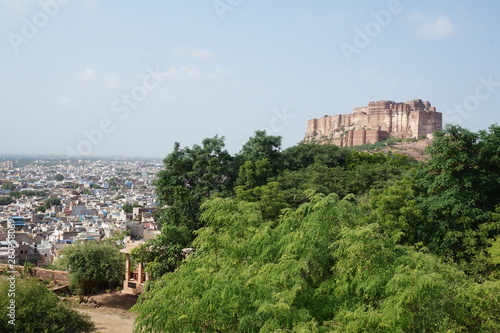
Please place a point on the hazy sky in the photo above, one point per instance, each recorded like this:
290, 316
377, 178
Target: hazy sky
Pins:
129, 78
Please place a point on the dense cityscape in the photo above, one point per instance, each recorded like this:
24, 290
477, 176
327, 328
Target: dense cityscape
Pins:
55, 202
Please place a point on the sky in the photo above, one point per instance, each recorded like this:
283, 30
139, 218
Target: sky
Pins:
130, 78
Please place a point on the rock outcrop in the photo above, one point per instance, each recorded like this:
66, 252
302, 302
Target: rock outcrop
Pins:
376, 122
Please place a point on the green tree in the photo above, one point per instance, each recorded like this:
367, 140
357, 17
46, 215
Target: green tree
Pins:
39, 310
247, 275
116, 238
254, 173
28, 193
86, 191
269, 197
8, 186
52, 201
458, 191
330, 240
380, 286
396, 210
321, 269
114, 182
163, 254
300, 156
6, 200
91, 265
360, 173
262, 146
59, 177
129, 208
16, 194
191, 175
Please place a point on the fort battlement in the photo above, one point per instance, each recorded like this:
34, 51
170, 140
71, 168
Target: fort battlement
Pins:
376, 122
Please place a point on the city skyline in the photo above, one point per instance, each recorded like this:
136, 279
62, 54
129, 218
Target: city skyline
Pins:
93, 78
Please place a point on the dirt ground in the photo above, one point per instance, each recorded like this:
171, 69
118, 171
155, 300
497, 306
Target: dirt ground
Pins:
112, 315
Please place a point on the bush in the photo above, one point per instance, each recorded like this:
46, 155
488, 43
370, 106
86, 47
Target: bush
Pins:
38, 310
91, 265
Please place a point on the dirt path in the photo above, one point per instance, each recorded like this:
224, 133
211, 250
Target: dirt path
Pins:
113, 315
109, 322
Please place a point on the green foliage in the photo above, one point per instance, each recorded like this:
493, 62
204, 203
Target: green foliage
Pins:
262, 146
28, 193
494, 251
321, 269
72, 185
86, 191
37, 310
191, 175
359, 173
163, 254
270, 198
426, 296
395, 208
52, 201
59, 177
8, 186
41, 209
91, 265
6, 200
458, 192
385, 287
115, 182
302, 155
116, 238
323, 239
254, 173
129, 208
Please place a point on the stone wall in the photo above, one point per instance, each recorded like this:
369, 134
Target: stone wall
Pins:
59, 277
375, 122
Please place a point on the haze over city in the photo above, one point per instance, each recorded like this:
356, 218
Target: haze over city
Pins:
100, 78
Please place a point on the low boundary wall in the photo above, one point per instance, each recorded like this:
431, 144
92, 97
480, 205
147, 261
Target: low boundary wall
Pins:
60, 278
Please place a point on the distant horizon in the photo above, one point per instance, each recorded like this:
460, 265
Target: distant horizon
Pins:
65, 157
129, 157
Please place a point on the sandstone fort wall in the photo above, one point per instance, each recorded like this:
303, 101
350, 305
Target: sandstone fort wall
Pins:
376, 122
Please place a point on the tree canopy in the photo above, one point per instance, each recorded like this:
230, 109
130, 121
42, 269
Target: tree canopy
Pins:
52, 201
458, 190
6, 200
189, 176
38, 310
324, 239
320, 270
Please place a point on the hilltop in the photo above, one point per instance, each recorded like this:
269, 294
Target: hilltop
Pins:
408, 147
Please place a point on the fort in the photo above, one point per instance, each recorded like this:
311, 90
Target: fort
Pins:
376, 122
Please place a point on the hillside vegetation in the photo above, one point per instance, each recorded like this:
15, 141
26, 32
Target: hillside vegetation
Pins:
321, 239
